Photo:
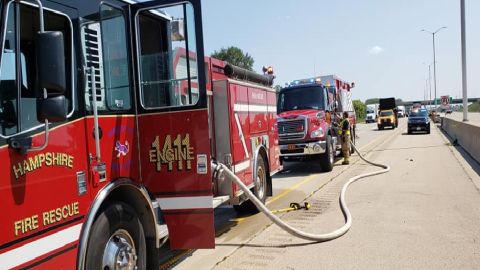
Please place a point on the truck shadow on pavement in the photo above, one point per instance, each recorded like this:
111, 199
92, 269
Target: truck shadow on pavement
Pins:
269, 246
383, 130
301, 168
415, 133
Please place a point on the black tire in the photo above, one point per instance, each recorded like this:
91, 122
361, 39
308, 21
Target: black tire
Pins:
260, 189
428, 130
409, 131
117, 223
327, 158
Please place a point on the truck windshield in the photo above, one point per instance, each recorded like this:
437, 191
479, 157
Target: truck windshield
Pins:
301, 98
386, 113
417, 113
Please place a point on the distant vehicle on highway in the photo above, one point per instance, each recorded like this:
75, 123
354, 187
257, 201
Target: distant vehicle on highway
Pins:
372, 113
418, 121
435, 115
387, 116
401, 111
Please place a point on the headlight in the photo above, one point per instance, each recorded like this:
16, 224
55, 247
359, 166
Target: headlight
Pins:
379, 121
317, 133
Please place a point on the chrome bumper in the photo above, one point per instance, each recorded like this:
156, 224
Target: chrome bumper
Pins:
303, 149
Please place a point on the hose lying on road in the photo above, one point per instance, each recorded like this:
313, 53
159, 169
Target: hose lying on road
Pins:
301, 234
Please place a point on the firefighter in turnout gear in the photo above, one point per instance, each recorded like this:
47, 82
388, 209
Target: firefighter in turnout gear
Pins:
344, 133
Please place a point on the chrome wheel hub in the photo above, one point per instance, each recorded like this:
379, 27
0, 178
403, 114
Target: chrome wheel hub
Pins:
120, 253
261, 182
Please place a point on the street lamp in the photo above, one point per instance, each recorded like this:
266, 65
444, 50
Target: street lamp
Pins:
429, 84
434, 65
464, 60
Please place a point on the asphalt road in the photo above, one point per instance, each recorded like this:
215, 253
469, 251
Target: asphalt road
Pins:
423, 214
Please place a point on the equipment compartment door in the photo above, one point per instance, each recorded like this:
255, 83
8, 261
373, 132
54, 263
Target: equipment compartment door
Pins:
257, 104
173, 118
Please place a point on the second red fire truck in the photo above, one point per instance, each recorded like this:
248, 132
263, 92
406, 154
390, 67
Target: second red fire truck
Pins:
307, 112
110, 132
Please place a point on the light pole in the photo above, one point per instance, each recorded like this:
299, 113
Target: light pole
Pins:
434, 65
425, 93
429, 84
464, 60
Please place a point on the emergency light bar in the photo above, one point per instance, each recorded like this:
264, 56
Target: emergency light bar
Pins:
316, 80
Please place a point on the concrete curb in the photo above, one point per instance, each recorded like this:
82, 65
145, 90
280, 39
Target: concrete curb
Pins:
465, 134
469, 164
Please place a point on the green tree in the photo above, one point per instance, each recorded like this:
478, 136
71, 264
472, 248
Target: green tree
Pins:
235, 56
360, 109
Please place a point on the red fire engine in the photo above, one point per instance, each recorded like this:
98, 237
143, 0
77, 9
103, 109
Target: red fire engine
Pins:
110, 132
307, 111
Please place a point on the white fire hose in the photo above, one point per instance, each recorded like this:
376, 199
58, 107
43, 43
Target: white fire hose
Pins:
301, 234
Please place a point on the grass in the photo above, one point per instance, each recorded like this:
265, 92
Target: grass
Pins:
474, 107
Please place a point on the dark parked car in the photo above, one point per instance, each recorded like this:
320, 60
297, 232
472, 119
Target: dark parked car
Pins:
418, 121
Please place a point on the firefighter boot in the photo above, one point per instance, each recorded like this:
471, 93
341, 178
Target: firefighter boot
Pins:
345, 160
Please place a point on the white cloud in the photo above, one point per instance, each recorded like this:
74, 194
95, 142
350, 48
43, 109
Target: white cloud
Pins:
376, 50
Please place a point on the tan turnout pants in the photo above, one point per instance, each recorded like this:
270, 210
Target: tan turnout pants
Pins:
346, 147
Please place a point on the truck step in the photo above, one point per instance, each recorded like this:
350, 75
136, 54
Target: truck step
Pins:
163, 230
219, 200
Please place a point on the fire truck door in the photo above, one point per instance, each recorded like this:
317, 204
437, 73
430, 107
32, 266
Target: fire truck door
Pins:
173, 118
104, 47
43, 192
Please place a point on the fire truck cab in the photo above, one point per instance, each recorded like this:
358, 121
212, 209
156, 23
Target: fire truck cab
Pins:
107, 134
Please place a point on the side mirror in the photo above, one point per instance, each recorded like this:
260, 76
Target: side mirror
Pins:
53, 109
51, 102
50, 52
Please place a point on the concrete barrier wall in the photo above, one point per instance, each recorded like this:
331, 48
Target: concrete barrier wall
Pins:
467, 135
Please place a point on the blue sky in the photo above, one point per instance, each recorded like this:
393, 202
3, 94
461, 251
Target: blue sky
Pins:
375, 43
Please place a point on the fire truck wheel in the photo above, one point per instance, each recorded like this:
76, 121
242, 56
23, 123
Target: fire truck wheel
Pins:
260, 189
117, 240
327, 158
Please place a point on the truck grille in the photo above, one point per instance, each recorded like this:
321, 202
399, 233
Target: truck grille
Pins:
292, 129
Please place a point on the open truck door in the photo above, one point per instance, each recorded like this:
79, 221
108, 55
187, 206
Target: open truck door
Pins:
172, 118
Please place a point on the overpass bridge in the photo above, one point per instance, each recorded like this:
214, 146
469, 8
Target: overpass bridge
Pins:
428, 102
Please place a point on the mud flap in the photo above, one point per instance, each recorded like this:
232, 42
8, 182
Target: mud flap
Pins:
191, 229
